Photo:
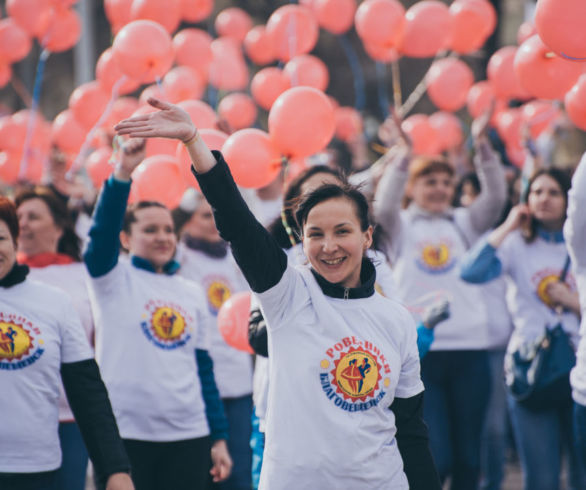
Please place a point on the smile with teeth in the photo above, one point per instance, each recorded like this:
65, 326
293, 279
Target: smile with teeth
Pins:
334, 261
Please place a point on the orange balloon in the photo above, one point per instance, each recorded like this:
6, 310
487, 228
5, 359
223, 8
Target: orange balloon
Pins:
233, 321
88, 102
193, 48
108, 73
158, 178
540, 115
473, 21
238, 109
15, 43
307, 70
381, 53
183, 83
233, 22
267, 85
348, 123
526, 30
335, 16
202, 115
167, 13
63, 32
196, 10
33, 16
509, 123
228, 70
118, 13
67, 133
98, 166
560, 24
428, 29
5, 74
301, 121
575, 103
425, 138
253, 159
258, 46
294, 31
122, 108
542, 73
143, 50
448, 82
448, 128
380, 22
502, 75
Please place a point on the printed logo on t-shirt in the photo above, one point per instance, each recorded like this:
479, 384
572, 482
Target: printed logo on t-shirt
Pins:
435, 258
351, 374
542, 279
218, 292
165, 324
17, 344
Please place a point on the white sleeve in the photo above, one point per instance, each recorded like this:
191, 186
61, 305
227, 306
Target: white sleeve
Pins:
575, 226
75, 346
410, 383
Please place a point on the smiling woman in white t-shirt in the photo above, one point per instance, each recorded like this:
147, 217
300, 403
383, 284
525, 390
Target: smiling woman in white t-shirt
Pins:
345, 404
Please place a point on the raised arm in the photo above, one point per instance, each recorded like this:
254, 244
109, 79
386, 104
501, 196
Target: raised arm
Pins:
575, 227
257, 253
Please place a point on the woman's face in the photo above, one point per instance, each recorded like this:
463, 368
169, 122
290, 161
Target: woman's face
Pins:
38, 231
334, 243
469, 194
152, 236
202, 224
547, 202
7, 250
433, 192
316, 181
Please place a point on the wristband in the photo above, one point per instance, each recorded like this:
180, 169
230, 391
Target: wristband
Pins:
192, 139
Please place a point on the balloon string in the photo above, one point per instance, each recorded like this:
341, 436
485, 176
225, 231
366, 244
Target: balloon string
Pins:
396, 78
357, 74
292, 38
80, 159
161, 87
34, 107
381, 82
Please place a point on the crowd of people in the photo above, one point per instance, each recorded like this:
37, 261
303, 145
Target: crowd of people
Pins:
385, 319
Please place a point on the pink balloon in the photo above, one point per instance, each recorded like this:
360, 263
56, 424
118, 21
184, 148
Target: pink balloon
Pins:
108, 73
380, 22
228, 70
202, 115
238, 109
540, 115
15, 42
575, 103
153, 90
122, 108
381, 53
167, 13
560, 24
448, 128
425, 138
118, 13
233, 22
448, 82
473, 21
183, 83
193, 48
88, 102
348, 123
267, 85
67, 133
501, 73
428, 29
335, 16
214, 140
63, 32
5, 74
508, 125
158, 178
233, 321
33, 16
307, 70
526, 30
98, 166
196, 10
480, 96
258, 46
294, 31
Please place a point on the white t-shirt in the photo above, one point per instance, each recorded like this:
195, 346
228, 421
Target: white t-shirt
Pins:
147, 329
39, 330
220, 278
70, 278
336, 366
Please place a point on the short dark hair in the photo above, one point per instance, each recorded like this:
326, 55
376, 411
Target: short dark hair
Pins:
8, 215
130, 215
332, 191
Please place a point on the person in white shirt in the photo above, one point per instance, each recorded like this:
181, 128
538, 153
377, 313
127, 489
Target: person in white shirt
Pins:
345, 404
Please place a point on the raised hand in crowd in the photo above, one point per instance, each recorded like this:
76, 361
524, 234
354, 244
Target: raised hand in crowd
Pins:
133, 152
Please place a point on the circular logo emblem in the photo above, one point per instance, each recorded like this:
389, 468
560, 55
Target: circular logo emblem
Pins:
436, 256
542, 289
218, 294
168, 324
356, 374
15, 341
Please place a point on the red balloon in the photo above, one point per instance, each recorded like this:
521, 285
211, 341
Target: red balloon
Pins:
380, 22
33, 16
301, 121
41, 132
9, 166
228, 70
63, 32
267, 85
540, 115
158, 178
448, 128
153, 90
560, 23
12, 135
88, 102
307, 70
448, 82
425, 138
509, 123
253, 159
15, 43
196, 10
202, 115
259, 46
238, 109
160, 146
5, 74
11, 163
335, 16
118, 13
542, 73
122, 108
143, 50
526, 30
428, 29
98, 166
348, 123
233, 22
167, 13
575, 102
473, 21
233, 321
193, 48
381, 53
502, 75
294, 31
108, 73
480, 96
67, 133
183, 83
